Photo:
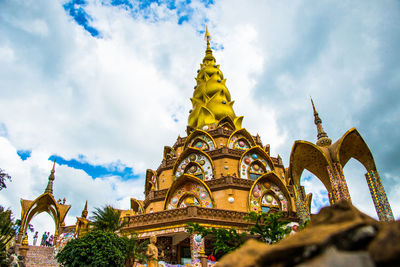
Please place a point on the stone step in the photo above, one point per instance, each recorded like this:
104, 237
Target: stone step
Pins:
40, 256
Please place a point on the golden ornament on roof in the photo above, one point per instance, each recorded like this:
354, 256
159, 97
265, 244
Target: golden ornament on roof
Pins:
211, 99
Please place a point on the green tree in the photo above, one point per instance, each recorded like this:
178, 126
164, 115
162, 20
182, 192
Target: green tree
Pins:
3, 177
268, 226
107, 219
226, 240
7, 233
135, 250
97, 248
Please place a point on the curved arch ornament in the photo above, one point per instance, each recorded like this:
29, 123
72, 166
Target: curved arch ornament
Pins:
169, 153
241, 139
137, 206
43, 203
306, 155
207, 140
246, 166
267, 185
194, 155
151, 181
352, 145
228, 123
188, 185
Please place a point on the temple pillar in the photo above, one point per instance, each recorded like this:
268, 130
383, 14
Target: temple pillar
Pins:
379, 197
338, 182
23, 249
302, 209
20, 234
196, 246
343, 188
334, 195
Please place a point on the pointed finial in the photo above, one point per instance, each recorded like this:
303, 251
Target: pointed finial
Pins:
49, 187
322, 136
207, 35
312, 103
54, 165
85, 211
209, 56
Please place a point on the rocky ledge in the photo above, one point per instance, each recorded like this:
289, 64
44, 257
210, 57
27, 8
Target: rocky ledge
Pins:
339, 235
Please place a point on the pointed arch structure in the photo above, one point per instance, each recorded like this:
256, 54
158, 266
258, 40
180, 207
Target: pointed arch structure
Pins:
43, 203
226, 122
241, 139
253, 157
151, 181
201, 140
271, 187
306, 155
169, 153
194, 157
137, 206
188, 186
352, 145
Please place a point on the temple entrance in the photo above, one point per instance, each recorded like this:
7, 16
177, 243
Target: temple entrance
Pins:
41, 223
45, 203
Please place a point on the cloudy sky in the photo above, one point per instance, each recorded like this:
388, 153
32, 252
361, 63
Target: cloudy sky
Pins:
105, 85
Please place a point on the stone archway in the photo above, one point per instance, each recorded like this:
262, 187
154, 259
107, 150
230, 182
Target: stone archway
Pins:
315, 159
352, 145
44, 203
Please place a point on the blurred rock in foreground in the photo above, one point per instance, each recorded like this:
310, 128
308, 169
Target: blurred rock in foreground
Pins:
339, 235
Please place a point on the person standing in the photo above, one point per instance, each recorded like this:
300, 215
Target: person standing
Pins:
42, 243
35, 237
51, 241
45, 239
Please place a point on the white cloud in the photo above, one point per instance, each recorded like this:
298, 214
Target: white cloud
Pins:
30, 177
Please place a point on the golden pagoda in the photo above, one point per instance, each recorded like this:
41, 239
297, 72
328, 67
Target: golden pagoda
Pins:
219, 172
214, 176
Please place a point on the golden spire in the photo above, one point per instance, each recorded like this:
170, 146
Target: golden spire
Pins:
207, 35
211, 99
323, 139
209, 56
49, 188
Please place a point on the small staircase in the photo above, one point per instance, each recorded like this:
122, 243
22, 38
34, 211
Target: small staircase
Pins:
40, 256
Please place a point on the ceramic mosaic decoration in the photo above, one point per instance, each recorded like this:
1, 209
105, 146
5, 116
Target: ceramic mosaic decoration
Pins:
190, 194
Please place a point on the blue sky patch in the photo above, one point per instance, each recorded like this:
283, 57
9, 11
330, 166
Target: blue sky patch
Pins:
306, 178
75, 9
143, 8
95, 171
125, 3
24, 154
